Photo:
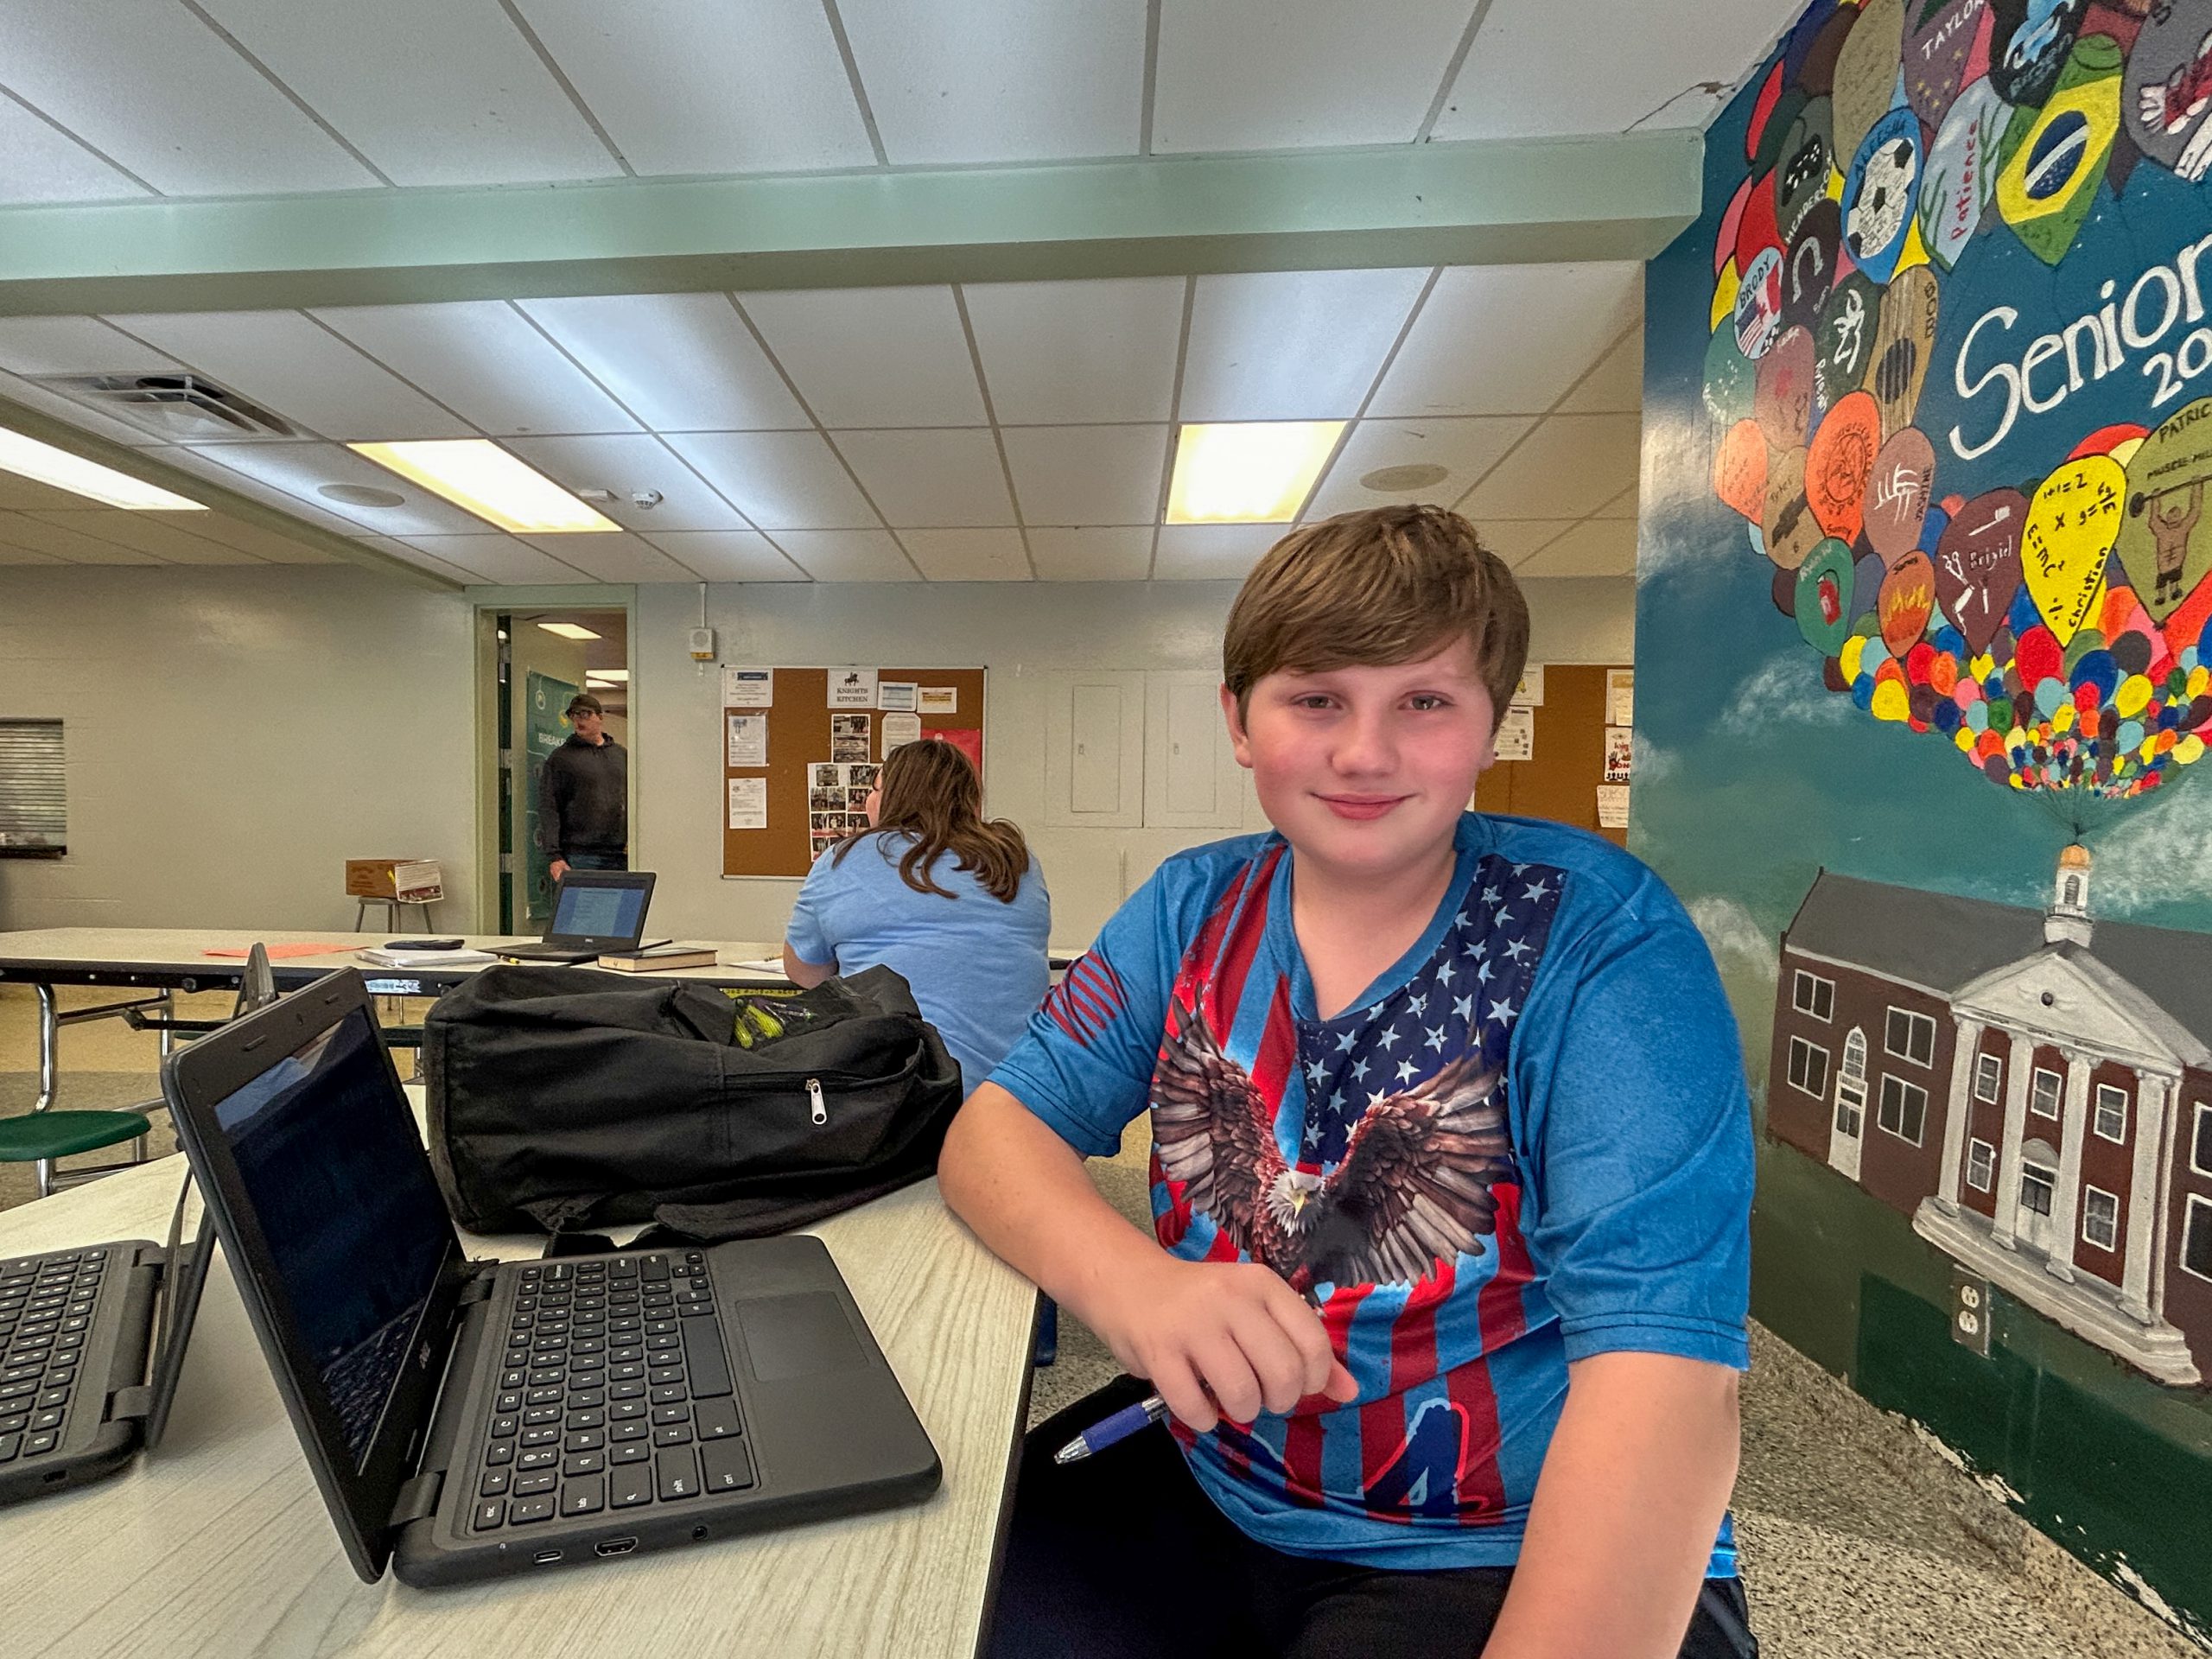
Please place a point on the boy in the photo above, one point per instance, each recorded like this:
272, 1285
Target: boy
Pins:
1452, 1167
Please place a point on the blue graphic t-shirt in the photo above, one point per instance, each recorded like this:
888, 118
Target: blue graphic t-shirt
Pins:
1527, 1142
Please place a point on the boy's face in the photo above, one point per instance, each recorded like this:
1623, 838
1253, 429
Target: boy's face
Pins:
1364, 769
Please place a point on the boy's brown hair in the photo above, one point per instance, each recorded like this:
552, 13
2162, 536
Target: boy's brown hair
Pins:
1382, 585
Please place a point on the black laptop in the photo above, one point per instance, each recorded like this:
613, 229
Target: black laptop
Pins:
468, 1419
77, 1396
595, 914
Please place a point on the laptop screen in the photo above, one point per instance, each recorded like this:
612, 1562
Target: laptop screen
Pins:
350, 1210
587, 910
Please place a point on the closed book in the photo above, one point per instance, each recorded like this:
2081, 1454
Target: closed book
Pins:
660, 959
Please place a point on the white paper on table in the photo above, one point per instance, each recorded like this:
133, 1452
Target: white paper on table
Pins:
1529, 693
1613, 806
1620, 696
1516, 734
895, 695
852, 688
748, 740
900, 729
937, 699
748, 687
749, 802
1620, 753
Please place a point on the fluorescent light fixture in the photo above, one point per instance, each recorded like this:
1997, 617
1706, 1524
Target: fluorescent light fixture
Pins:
478, 476
64, 470
568, 629
1248, 472
616, 674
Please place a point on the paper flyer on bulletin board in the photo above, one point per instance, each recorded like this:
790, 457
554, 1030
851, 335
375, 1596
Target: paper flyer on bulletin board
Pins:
1516, 734
749, 802
1529, 693
852, 688
748, 741
748, 687
1620, 696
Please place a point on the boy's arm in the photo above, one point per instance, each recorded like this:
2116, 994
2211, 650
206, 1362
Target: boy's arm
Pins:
1233, 1332
1631, 1495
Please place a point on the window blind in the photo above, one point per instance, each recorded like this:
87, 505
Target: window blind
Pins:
34, 806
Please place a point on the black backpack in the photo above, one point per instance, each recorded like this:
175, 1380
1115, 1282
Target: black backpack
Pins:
566, 1098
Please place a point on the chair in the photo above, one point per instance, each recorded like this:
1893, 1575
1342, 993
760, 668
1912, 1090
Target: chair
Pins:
40, 1136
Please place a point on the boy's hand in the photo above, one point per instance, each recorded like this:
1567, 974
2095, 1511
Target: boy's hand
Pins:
1220, 1339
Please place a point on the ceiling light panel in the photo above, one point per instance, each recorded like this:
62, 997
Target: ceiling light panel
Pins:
432, 93
1120, 553
679, 362
1213, 552
1508, 340
111, 71
628, 464
483, 361
1571, 465
968, 554
568, 629
729, 556
38, 164
1067, 353
931, 479
43, 463
780, 480
1464, 448
1001, 80
479, 477
1292, 345
72, 345
282, 359
1284, 74
700, 86
873, 356
847, 555
1247, 472
289, 476
1087, 474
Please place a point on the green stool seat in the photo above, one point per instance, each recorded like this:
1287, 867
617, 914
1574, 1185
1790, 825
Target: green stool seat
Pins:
30, 1137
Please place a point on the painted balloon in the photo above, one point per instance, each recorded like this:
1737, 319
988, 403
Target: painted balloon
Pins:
2165, 543
1838, 463
1897, 491
1978, 564
2072, 521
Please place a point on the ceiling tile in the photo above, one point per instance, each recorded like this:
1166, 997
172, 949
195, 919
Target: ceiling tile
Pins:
1615, 385
1213, 552
873, 356
1065, 354
934, 478
76, 414
728, 555
1465, 448
1282, 75
161, 93
679, 362
433, 92
10, 553
847, 555
1621, 506
40, 164
70, 546
619, 557
164, 535
73, 345
1292, 345
1519, 82
283, 361
299, 470
253, 538
20, 494
497, 558
1120, 553
968, 555
780, 480
1599, 547
1087, 474
431, 563
703, 86
1508, 340
627, 463
1514, 539
1001, 80
1571, 465
484, 360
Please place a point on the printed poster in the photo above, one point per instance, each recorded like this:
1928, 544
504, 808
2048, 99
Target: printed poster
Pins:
849, 736
748, 687
749, 802
895, 696
900, 729
748, 740
1516, 734
937, 700
1620, 753
1529, 693
1620, 696
1613, 806
852, 688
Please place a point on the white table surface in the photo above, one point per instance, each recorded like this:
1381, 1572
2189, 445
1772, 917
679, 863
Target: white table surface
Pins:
219, 1544
183, 949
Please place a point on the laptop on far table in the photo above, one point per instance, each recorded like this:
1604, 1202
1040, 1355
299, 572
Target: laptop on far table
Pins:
595, 914
470, 1420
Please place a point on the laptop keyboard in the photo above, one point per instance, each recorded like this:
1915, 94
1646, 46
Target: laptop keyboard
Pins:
46, 1313
614, 1393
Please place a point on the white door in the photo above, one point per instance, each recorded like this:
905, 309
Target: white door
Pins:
1847, 1131
2038, 1182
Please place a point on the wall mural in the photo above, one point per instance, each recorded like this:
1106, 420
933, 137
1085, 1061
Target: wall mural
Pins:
1924, 631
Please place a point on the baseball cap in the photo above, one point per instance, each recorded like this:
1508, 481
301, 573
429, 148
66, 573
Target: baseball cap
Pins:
584, 703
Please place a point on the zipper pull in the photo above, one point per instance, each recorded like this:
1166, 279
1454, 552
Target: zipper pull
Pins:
817, 1108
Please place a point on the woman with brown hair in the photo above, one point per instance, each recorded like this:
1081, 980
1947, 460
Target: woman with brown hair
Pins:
953, 902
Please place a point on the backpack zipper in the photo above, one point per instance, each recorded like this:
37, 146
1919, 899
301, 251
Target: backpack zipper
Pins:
817, 1108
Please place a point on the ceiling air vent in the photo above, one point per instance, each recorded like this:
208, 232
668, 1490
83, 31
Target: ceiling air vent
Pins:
178, 406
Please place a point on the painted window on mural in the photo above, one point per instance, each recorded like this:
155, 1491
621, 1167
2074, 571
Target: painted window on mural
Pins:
1849, 1118
1988, 1078
1911, 1036
1808, 1067
1810, 994
2200, 1151
1981, 1165
2036, 1185
2100, 1218
1855, 1058
2196, 1237
1904, 1110
2042, 1093
2112, 1112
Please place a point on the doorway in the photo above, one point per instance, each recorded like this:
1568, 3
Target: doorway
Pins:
545, 657
1850, 1132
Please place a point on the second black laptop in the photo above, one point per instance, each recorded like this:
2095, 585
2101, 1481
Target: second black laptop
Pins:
595, 914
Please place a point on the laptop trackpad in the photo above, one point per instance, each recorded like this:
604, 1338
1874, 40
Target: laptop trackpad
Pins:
798, 1336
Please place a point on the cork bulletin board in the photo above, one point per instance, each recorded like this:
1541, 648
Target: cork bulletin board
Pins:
1562, 775
803, 808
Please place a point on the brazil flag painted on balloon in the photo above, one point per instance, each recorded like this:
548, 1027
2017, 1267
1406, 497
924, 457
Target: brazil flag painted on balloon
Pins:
1959, 378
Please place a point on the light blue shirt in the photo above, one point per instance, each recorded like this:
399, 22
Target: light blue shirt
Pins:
977, 965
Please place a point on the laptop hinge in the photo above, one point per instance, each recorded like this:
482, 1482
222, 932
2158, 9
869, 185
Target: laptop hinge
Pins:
418, 1498
127, 1403
477, 1287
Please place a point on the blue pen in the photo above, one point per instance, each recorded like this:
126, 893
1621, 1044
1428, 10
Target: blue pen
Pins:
1123, 1424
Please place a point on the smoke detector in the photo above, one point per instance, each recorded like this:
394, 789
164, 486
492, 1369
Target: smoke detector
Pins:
176, 405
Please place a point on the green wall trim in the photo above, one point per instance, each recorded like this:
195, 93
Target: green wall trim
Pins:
1621, 197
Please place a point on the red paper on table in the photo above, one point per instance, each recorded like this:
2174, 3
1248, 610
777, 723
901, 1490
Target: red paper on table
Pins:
277, 952
966, 738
